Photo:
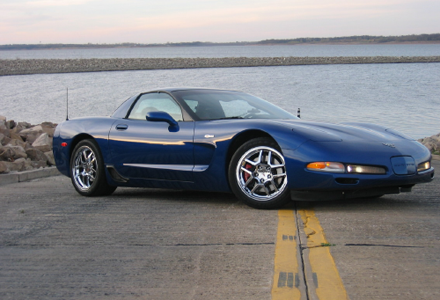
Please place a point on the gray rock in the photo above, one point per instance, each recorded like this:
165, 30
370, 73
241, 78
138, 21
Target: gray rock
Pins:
50, 158
3, 167
48, 128
31, 134
6, 140
4, 129
36, 154
25, 147
22, 125
28, 165
19, 164
15, 136
19, 152
432, 142
11, 153
6, 154
38, 164
43, 142
15, 166
17, 142
10, 124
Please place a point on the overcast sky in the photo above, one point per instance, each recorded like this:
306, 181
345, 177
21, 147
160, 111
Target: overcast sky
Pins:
162, 21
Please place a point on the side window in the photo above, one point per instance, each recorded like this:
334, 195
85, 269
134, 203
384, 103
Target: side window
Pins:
155, 102
192, 104
235, 108
242, 109
209, 109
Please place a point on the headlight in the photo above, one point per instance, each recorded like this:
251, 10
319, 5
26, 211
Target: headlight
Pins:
424, 166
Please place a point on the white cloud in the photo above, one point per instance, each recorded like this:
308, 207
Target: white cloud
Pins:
174, 20
51, 3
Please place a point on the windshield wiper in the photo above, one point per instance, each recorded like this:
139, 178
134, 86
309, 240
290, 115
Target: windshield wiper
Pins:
228, 118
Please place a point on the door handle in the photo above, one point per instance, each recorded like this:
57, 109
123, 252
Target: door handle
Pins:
121, 127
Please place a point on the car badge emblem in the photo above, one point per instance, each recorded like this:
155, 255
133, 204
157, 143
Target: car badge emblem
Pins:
389, 145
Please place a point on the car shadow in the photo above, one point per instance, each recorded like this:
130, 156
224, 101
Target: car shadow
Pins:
409, 201
387, 202
176, 196
422, 196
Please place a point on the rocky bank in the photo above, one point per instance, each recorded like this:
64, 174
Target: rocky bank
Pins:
432, 143
26, 147
42, 66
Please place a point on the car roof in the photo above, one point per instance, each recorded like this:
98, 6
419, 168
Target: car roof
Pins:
179, 89
121, 111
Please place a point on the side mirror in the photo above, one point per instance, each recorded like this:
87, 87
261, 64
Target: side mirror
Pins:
161, 116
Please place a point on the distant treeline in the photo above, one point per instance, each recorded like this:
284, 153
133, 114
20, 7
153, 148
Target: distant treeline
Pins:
361, 39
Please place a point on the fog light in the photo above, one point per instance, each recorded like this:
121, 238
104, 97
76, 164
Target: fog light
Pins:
424, 166
361, 169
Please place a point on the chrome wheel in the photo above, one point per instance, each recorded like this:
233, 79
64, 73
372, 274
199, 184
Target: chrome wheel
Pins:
261, 173
84, 168
87, 170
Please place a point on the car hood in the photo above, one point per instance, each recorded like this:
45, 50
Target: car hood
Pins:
348, 132
353, 142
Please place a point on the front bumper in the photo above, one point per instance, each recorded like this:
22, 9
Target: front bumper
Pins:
349, 186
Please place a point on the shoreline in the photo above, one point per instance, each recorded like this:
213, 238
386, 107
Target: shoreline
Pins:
10, 67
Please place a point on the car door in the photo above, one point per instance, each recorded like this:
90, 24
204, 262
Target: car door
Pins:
145, 149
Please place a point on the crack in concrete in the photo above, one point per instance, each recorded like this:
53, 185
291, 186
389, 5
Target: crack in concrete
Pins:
384, 245
301, 252
317, 263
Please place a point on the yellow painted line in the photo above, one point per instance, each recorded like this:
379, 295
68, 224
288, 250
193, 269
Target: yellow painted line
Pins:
328, 283
286, 264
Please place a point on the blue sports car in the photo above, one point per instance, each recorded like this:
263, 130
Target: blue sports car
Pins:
229, 141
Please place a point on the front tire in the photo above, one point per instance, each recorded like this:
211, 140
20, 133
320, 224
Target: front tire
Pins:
258, 176
87, 170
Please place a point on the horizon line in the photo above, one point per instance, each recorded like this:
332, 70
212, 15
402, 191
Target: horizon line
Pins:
415, 38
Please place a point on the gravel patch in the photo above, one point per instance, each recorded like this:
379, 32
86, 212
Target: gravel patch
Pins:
44, 66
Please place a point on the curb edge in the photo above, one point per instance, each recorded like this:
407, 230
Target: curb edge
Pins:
15, 177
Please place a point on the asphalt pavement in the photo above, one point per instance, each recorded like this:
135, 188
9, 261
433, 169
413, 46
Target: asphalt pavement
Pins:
161, 244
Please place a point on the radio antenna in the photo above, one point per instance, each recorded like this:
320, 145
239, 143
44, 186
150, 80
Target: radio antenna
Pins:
67, 104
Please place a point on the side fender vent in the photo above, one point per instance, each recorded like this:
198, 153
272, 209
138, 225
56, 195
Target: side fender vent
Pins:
115, 175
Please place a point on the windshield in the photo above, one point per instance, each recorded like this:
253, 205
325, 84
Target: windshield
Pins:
215, 105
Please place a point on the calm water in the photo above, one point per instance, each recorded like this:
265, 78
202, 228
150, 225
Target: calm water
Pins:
405, 97
402, 96
232, 51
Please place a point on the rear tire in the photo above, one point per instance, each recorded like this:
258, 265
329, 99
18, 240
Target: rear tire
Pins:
87, 170
257, 174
